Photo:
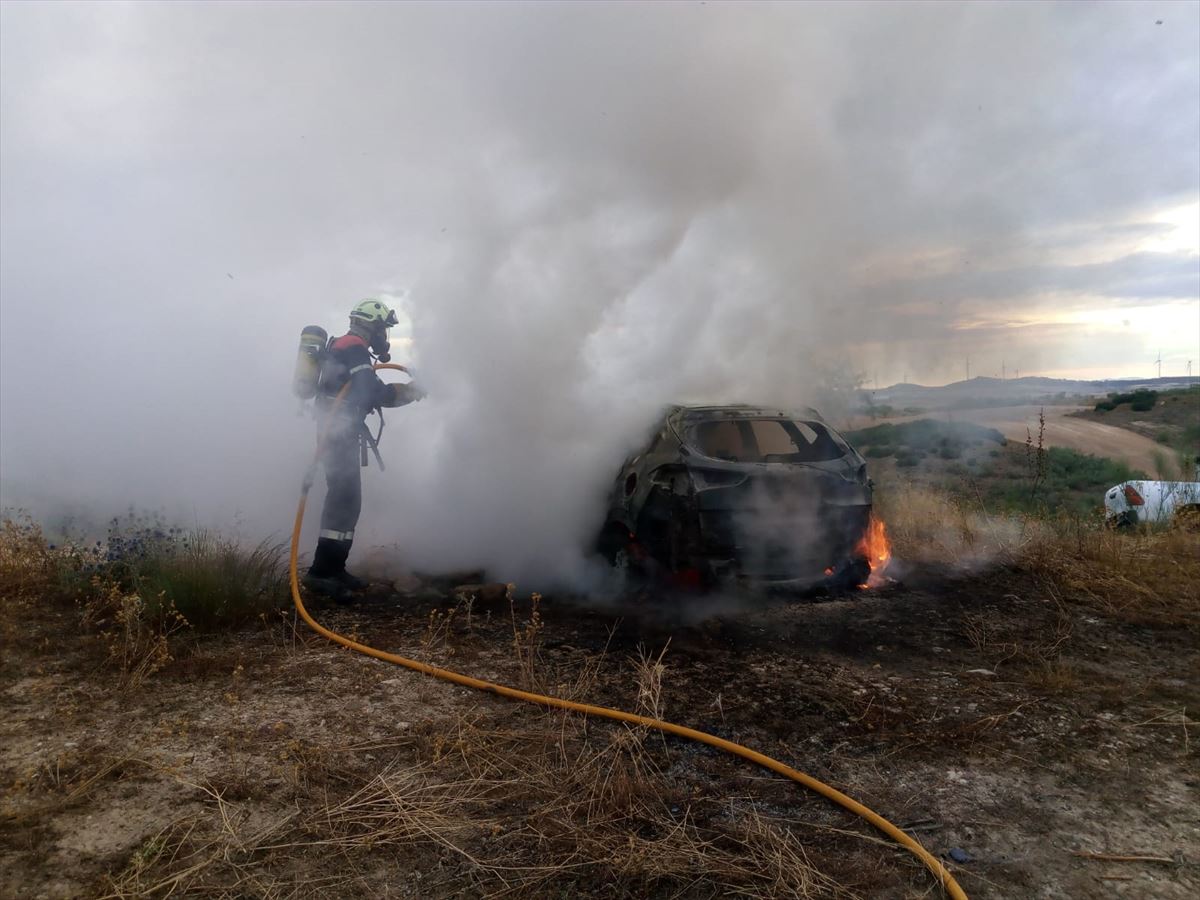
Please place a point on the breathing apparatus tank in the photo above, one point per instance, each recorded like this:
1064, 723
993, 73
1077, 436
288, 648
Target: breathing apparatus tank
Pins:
313, 340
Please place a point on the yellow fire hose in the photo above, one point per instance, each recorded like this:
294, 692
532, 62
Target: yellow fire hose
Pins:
939, 871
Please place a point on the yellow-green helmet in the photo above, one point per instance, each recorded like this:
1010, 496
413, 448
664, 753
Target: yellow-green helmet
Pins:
374, 314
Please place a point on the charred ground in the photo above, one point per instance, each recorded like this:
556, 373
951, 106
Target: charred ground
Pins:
1021, 713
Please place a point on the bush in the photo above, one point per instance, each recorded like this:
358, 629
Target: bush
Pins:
1144, 403
1140, 400
209, 580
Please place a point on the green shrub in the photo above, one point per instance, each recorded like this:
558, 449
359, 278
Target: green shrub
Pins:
1140, 400
877, 451
1144, 403
211, 580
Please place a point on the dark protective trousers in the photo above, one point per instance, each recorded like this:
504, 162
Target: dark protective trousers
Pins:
343, 502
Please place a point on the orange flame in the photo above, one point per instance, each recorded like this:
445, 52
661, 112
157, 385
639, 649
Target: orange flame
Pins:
877, 549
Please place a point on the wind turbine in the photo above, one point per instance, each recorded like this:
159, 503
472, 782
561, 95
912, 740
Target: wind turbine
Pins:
1158, 362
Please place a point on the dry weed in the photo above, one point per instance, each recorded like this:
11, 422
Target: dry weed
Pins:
138, 644
649, 671
28, 565
1054, 677
527, 642
435, 640
1146, 577
999, 638
936, 528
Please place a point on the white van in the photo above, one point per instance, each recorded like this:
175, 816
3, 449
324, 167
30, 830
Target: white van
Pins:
1150, 502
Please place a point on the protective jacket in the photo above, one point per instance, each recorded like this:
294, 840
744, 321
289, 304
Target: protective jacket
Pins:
348, 359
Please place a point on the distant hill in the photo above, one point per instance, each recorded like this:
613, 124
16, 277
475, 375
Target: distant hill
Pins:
981, 391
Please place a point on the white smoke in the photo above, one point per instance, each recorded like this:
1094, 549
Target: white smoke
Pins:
587, 211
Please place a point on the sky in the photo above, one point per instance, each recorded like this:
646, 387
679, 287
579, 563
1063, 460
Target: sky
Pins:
583, 211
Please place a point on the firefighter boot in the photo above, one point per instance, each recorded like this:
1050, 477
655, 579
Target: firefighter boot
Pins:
327, 575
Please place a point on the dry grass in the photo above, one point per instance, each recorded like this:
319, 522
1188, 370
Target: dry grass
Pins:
28, 565
1144, 577
504, 813
527, 643
932, 527
999, 638
127, 591
1148, 576
556, 804
1058, 676
552, 807
138, 642
649, 671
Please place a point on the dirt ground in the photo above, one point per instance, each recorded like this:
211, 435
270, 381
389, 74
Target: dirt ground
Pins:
1063, 429
989, 714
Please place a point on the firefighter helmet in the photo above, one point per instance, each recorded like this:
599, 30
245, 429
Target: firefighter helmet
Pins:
373, 314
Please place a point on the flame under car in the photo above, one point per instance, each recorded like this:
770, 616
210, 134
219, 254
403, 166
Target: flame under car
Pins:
742, 493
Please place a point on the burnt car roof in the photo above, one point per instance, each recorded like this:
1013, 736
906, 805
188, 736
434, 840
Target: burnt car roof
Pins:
744, 411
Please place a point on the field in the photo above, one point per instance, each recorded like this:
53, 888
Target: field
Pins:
1169, 418
1021, 697
978, 464
1064, 426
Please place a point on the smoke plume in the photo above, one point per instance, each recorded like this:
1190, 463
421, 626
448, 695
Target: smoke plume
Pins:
585, 210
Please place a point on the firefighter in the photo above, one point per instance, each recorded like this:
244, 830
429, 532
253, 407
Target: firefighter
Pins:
349, 358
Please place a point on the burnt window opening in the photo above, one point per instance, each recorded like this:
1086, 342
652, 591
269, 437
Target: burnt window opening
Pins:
765, 441
630, 484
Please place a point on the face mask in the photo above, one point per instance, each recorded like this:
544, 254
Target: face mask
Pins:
380, 346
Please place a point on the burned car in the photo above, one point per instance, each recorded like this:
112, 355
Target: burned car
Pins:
742, 493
